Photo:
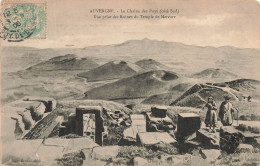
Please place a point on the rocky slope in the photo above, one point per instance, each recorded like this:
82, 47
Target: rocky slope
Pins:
237, 90
169, 97
137, 86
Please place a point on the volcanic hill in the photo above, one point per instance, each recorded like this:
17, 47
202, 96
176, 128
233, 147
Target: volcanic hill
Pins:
150, 64
66, 62
137, 86
111, 70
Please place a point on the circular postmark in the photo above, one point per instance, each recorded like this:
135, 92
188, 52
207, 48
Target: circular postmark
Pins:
21, 20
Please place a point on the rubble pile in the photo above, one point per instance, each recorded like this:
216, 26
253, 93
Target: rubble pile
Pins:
117, 118
28, 112
101, 136
108, 129
158, 121
232, 139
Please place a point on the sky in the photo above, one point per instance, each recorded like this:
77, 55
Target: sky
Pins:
199, 22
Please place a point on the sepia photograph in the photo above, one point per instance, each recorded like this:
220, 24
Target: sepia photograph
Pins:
130, 83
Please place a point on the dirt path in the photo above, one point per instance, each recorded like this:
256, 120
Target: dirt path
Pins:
225, 89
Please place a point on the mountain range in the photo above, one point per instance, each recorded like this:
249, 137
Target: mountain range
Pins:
193, 58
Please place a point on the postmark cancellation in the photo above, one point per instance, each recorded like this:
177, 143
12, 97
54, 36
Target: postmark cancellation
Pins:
23, 20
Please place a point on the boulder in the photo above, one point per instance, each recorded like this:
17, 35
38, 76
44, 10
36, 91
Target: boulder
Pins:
210, 155
138, 161
230, 138
105, 152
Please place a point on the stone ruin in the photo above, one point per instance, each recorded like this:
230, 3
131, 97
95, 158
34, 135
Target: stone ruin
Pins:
81, 112
158, 121
87, 121
27, 111
148, 129
145, 129
188, 123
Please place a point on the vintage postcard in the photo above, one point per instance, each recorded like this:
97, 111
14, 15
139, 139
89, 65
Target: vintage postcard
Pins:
130, 82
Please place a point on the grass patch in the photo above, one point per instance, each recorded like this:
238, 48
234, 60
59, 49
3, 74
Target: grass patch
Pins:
75, 159
129, 152
244, 128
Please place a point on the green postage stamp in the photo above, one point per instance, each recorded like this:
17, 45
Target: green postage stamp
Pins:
23, 20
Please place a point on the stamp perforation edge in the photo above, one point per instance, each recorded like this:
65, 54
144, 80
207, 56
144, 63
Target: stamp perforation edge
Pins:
29, 1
